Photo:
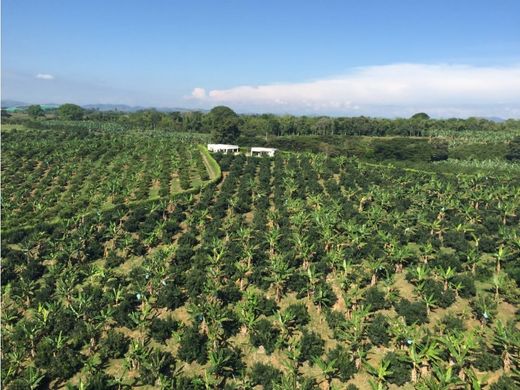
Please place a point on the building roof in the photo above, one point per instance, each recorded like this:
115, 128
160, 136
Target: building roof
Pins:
222, 146
262, 149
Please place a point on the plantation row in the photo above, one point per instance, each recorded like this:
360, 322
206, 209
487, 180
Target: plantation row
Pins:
56, 174
297, 272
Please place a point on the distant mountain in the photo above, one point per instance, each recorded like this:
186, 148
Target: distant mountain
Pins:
127, 108
13, 103
494, 119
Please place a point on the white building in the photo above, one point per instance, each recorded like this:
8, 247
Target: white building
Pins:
223, 148
258, 151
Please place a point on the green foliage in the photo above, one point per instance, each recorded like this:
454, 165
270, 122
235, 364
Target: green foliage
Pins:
399, 367
420, 116
343, 362
513, 151
114, 346
193, 345
161, 329
435, 289
224, 124
264, 334
505, 382
311, 345
376, 299
35, 111
413, 312
298, 315
265, 375
70, 111
377, 331
486, 361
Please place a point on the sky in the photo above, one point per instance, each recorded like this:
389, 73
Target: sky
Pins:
373, 57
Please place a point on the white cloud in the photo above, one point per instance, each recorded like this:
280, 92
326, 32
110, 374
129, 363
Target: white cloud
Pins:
198, 93
397, 89
45, 76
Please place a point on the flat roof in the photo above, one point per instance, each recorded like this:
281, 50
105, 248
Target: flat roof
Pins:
261, 149
223, 146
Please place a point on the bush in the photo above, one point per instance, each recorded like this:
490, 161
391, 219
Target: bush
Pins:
413, 312
486, 361
376, 299
452, 323
114, 346
170, 297
264, 334
345, 364
400, 369
378, 330
467, 283
311, 346
298, 314
505, 383
265, 375
193, 346
442, 298
158, 363
161, 329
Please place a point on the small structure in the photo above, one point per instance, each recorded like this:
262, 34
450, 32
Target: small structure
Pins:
259, 151
223, 148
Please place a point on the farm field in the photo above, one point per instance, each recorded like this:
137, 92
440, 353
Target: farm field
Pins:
299, 272
58, 174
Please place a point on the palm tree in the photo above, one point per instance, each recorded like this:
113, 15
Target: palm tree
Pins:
500, 256
446, 275
506, 338
280, 271
430, 301
459, 345
328, 370
380, 372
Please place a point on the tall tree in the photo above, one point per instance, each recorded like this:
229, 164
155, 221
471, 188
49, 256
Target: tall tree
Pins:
224, 124
71, 111
35, 111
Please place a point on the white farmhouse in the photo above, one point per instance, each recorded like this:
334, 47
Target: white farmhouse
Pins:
259, 151
223, 148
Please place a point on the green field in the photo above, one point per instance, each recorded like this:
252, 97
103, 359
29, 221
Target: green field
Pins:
134, 259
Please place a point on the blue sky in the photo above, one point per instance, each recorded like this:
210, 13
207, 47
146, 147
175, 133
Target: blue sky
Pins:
383, 58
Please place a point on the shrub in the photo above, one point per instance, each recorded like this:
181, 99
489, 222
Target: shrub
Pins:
467, 283
298, 314
442, 298
114, 346
345, 365
452, 323
378, 330
486, 361
265, 375
161, 329
264, 334
171, 297
400, 369
311, 346
193, 346
376, 299
505, 383
413, 312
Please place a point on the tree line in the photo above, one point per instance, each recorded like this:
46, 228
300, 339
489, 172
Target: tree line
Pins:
418, 125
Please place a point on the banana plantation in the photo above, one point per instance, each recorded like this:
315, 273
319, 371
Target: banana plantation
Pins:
129, 262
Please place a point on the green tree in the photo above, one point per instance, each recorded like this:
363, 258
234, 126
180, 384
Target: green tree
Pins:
224, 124
420, 115
513, 151
35, 111
71, 112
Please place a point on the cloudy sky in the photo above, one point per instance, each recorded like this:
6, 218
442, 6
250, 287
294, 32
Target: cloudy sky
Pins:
380, 58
